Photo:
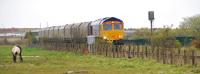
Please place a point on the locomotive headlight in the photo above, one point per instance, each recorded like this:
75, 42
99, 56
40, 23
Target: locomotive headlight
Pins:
104, 37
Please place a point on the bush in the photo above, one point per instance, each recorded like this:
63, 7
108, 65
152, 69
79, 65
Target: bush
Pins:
196, 43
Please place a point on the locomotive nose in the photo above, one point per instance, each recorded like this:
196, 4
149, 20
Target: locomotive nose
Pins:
115, 36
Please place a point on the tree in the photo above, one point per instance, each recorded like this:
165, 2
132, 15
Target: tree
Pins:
191, 26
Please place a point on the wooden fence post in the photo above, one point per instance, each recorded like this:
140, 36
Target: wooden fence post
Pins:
184, 57
120, 51
133, 51
163, 55
102, 52
158, 58
123, 52
117, 50
129, 51
193, 58
106, 47
113, 51
146, 55
171, 57
142, 53
138, 50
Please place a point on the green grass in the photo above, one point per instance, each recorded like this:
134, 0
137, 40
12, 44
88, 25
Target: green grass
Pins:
60, 62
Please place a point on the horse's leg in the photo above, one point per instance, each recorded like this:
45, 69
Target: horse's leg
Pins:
14, 58
20, 55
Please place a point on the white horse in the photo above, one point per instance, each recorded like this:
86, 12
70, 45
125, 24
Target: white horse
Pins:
17, 50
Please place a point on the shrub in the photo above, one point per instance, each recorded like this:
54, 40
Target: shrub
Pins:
196, 43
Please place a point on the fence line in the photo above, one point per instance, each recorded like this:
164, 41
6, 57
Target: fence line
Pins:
160, 54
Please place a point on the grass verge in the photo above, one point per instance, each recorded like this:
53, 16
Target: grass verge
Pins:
40, 61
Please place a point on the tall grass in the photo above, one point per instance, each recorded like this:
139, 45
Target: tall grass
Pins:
60, 62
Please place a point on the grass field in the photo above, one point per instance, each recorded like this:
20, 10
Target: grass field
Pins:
40, 61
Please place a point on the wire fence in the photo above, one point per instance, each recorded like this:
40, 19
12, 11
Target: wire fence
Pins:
163, 55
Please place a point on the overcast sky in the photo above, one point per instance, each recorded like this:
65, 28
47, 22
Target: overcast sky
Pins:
134, 13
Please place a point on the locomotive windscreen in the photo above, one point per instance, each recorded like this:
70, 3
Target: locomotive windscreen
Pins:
107, 26
117, 26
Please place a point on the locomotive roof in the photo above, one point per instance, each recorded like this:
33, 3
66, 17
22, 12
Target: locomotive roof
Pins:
106, 19
111, 19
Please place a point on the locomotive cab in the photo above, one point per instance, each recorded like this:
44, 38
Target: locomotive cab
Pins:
109, 29
112, 29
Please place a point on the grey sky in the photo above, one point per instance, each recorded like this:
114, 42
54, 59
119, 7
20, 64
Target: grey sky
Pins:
30, 13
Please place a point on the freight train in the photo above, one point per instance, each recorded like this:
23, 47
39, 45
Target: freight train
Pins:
108, 29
